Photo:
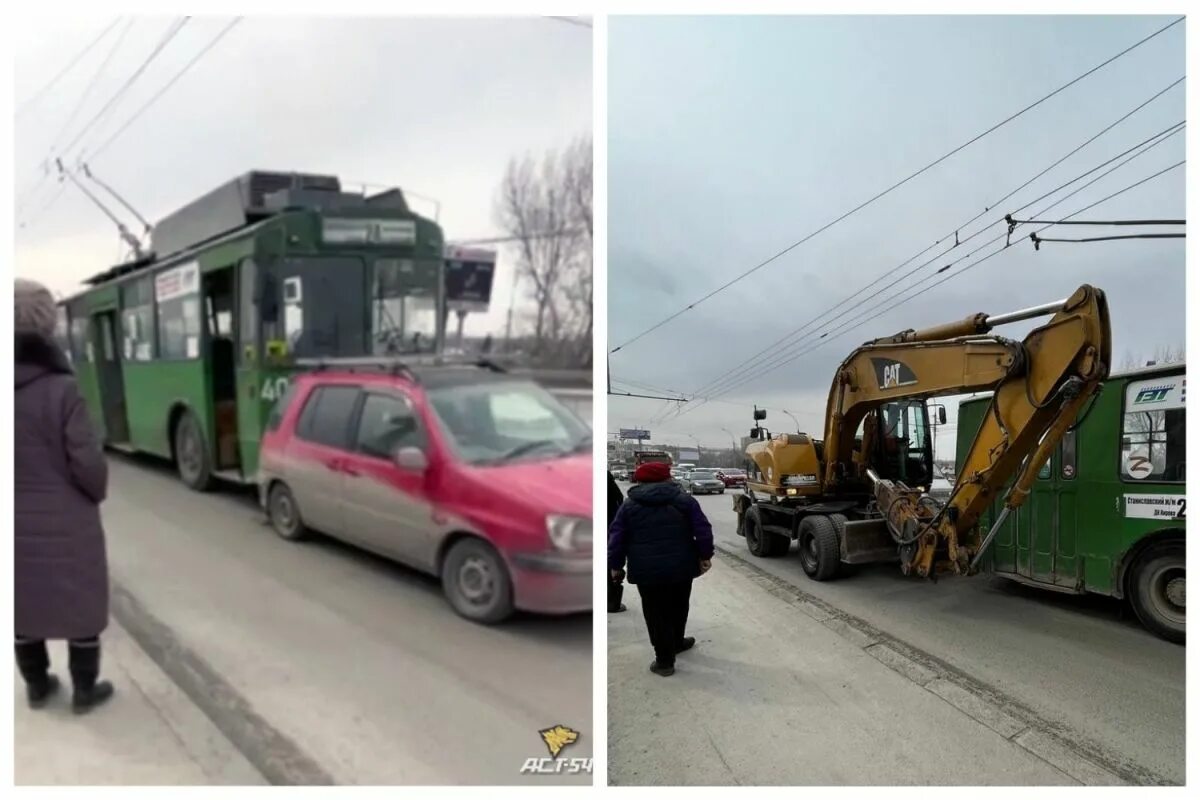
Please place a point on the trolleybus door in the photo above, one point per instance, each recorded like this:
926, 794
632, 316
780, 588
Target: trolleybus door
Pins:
109, 377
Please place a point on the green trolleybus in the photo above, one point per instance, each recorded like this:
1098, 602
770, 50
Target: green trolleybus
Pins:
1107, 513
182, 353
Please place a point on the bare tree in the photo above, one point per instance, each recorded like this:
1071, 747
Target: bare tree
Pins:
546, 207
1162, 356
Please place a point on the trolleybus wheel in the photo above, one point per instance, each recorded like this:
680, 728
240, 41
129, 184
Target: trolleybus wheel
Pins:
1157, 590
191, 454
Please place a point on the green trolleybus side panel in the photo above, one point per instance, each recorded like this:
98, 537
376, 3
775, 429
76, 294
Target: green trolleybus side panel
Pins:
1114, 485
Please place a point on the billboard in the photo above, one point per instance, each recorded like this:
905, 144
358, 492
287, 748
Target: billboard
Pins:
689, 456
635, 433
469, 274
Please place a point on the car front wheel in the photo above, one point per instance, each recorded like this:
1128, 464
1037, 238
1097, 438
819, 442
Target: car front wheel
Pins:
476, 583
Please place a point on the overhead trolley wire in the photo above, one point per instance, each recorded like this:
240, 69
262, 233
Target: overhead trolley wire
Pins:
752, 365
170, 34
866, 314
204, 51
897, 185
78, 56
764, 354
91, 85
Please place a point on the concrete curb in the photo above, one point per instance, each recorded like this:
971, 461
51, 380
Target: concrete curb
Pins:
280, 760
1065, 748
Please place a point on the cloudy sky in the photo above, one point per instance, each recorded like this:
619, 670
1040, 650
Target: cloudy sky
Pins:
436, 106
731, 138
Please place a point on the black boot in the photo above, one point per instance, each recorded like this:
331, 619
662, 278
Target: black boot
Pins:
33, 662
687, 643
85, 669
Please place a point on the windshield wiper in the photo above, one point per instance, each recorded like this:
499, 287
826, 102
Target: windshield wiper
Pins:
585, 443
522, 449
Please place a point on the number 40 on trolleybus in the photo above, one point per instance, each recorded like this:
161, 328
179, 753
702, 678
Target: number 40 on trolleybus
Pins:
183, 353
1106, 514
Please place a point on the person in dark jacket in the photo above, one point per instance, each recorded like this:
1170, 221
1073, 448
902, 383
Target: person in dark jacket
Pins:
60, 566
667, 541
615, 587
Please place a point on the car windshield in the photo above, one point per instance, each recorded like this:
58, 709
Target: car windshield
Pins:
702, 474
494, 423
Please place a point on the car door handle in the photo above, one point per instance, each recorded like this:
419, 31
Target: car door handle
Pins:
351, 471
333, 464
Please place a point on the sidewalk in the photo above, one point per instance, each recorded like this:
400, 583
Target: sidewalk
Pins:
770, 696
149, 733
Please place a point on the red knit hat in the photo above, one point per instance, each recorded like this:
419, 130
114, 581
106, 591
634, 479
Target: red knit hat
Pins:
652, 472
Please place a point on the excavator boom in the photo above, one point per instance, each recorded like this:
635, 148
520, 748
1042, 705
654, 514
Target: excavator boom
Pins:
1039, 385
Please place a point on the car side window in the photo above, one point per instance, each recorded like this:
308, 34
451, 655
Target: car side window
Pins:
326, 416
386, 424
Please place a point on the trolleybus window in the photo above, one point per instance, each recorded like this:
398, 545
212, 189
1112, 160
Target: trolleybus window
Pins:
177, 291
404, 309
137, 321
1153, 437
80, 349
62, 331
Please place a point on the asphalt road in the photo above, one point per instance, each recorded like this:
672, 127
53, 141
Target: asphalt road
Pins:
328, 664
1083, 663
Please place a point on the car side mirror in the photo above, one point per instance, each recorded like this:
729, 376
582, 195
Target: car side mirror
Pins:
411, 459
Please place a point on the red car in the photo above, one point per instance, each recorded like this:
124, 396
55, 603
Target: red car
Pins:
732, 477
475, 476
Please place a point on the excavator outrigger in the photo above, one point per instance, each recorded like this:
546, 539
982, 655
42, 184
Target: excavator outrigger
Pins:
861, 494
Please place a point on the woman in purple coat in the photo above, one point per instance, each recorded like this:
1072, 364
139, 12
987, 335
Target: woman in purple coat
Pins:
60, 568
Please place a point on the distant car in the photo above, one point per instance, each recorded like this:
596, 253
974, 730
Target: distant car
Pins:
941, 486
732, 477
703, 481
478, 477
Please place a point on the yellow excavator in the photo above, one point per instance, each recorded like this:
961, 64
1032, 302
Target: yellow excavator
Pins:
861, 494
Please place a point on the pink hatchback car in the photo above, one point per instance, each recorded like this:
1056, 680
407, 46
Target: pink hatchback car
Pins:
479, 477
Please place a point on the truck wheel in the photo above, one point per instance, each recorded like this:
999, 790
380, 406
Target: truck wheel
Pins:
191, 454
1157, 590
820, 551
761, 543
476, 583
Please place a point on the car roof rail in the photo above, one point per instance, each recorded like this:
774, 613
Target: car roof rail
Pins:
396, 365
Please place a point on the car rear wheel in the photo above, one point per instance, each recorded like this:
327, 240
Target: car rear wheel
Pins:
476, 583
285, 514
1157, 590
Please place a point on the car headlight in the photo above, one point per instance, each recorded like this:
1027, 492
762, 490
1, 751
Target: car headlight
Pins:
569, 533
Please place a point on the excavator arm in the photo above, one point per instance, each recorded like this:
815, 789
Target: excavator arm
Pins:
1038, 386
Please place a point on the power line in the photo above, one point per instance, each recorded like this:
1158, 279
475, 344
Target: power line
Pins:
747, 364
78, 56
867, 314
896, 185
731, 376
204, 51
91, 85
572, 21
158, 48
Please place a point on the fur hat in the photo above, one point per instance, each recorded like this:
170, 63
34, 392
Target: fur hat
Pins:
35, 311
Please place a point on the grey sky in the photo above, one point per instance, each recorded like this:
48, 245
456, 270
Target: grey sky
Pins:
732, 137
436, 106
